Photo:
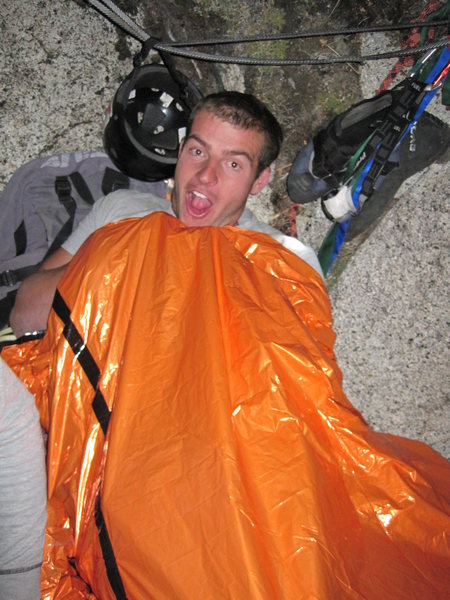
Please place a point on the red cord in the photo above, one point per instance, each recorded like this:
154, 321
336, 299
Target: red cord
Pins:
410, 42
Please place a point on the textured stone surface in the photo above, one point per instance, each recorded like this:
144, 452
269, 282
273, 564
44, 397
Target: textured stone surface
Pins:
61, 64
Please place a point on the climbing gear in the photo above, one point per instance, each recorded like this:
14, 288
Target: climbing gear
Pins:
348, 160
416, 95
324, 165
43, 202
424, 144
424, 31
319, 168
147, 121
274, 62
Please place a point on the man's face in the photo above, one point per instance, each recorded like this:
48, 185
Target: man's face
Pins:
216, 171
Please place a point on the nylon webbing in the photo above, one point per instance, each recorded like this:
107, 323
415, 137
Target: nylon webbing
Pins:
10, 277
85, 359
103, 414
63, 190
81, 186
109, 559
114, 180
388, 134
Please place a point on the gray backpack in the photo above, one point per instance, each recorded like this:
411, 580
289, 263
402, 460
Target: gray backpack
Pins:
43, 203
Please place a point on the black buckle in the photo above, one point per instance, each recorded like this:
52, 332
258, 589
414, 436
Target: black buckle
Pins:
8, 278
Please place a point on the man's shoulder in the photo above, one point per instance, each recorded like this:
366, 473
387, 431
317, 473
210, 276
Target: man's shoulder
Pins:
250, 222
123, 204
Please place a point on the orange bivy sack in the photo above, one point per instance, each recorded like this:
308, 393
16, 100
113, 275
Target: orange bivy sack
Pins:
200, 444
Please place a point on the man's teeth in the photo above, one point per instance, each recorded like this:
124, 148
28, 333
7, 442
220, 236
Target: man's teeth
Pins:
200, 201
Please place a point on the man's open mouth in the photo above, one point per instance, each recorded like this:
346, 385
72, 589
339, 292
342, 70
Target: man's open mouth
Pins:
197, 204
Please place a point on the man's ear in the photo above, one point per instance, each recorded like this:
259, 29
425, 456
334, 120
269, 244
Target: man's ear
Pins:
261, 181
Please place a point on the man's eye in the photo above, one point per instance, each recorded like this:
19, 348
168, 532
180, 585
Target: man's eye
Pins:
234, 165
195, 151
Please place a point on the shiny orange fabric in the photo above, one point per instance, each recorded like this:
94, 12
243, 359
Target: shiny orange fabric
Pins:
233, 465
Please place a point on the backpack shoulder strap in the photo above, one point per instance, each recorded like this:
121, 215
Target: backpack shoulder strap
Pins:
63, 190
114, 180
81, 187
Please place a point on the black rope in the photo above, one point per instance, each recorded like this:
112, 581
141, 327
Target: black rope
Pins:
119, 18
109, 10
308, 34
300, 61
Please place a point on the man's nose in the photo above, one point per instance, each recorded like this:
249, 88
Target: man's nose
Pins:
208, 172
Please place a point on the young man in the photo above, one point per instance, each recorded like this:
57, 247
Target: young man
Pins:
231, 141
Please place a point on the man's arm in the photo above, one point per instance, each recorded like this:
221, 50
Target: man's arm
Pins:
60, 258
35, 295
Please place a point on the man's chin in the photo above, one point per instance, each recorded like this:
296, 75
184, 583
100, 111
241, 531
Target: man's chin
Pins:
202, 219
189, 222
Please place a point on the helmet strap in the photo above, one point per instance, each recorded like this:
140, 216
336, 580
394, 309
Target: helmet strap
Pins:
169, 63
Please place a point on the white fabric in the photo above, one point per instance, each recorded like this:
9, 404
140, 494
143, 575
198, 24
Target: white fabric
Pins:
22, 490
306, 253
125, 204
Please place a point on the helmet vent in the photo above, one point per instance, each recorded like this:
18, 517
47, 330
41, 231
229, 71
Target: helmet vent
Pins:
166, 99
153, 117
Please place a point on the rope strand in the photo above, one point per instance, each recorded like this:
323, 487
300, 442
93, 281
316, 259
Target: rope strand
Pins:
307, 34
109, 10
294, 62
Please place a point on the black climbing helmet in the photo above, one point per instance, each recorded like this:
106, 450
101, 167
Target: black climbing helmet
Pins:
147, 120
